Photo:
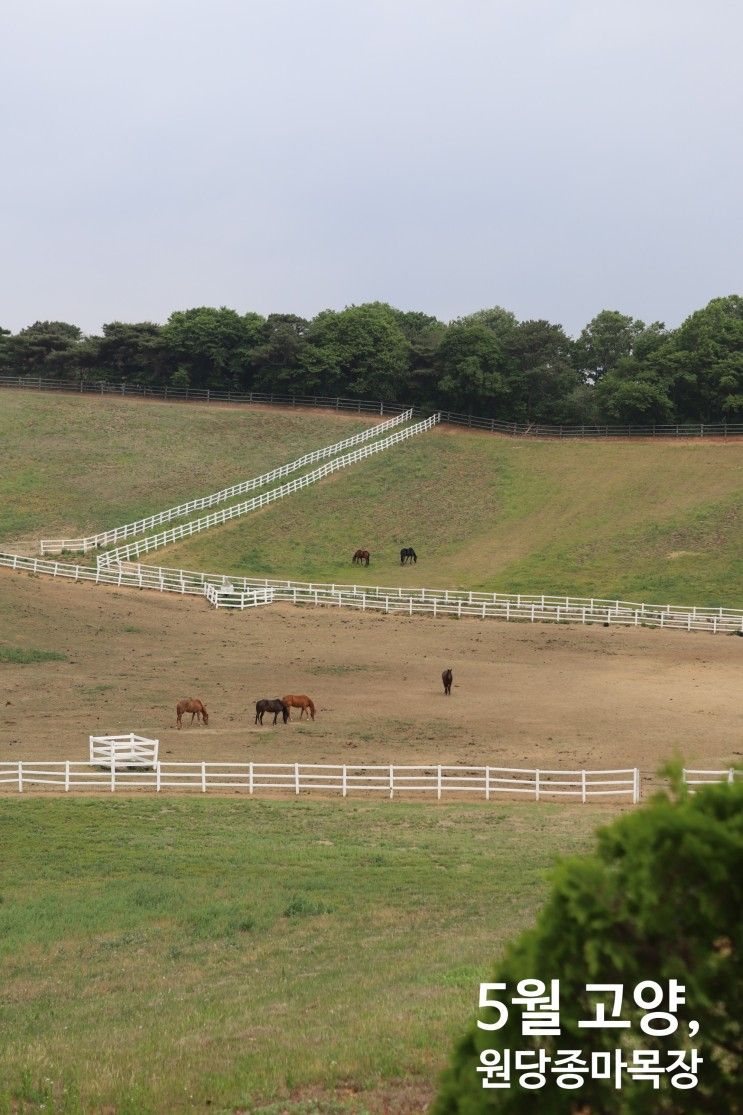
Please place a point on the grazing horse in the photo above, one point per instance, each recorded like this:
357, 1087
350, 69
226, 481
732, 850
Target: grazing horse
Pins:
195, 707
408, 554
447, 677
302, 701
275, 706
361, 557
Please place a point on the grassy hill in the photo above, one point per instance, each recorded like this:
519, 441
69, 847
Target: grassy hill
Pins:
640, 520
76, 465
636, 520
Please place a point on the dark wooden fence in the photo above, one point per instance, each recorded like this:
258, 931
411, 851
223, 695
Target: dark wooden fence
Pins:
369, 406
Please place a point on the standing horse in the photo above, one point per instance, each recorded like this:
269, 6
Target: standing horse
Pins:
361, 557
408, 554
275, 706
302, 701
447, 677
195, 707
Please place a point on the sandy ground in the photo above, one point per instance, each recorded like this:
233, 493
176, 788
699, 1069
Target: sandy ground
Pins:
532, 696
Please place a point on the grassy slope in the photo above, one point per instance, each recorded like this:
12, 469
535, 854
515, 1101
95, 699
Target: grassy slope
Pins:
75, 465
635, 520
159, 954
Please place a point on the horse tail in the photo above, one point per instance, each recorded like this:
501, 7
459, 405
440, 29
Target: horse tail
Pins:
311, 703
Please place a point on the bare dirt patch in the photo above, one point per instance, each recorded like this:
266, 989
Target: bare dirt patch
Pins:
533, 696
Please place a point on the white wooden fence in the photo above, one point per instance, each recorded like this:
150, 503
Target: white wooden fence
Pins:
175, 534
131, 530
128, 750
397, 600
225, 596
711, 777
326, 778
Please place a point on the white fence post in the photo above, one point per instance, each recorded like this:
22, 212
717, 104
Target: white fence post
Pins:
113, 773
438, 784
487, 783
296, 778
157, 778
583, 786
20, 778
250, 778
203, 778
392, 782
536, 785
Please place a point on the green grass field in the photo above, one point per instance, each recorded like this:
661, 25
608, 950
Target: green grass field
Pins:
75, 465
184, 954
640, 521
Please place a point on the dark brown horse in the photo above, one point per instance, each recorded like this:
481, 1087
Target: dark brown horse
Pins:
275, 706
301, 701
361, 557
408, 554
447, 677
195, 707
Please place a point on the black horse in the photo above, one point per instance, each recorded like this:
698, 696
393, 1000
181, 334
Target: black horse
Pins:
408, 554
447, 677
276, 706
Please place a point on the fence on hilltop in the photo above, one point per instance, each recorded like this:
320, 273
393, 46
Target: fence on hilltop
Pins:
370, 406
342, 778
131, 530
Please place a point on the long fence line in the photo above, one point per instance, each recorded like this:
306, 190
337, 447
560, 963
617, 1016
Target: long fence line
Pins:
226, 591
297, 778
131, 530
371, 406
155, 541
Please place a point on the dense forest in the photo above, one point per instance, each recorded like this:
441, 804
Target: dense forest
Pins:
488, 363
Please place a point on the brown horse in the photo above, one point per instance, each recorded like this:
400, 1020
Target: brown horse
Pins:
361, 557
447, 677
195, 707
301, 701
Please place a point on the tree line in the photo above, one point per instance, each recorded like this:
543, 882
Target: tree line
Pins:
487, 363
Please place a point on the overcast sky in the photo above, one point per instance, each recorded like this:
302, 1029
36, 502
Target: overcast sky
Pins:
555, 157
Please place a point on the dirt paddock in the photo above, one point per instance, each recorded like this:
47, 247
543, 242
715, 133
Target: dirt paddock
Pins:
524, 695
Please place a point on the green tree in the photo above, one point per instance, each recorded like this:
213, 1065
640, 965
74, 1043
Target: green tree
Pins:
540, 370
361, 351
607, 339
213, 347
277, 359
660, 900
702, 362
130, 352
46, 348
471, 362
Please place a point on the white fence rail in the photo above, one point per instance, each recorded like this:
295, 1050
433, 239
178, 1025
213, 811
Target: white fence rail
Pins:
175, 534
131, 530
225, 596
434, 602
296, 778
128, 750
712, 777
